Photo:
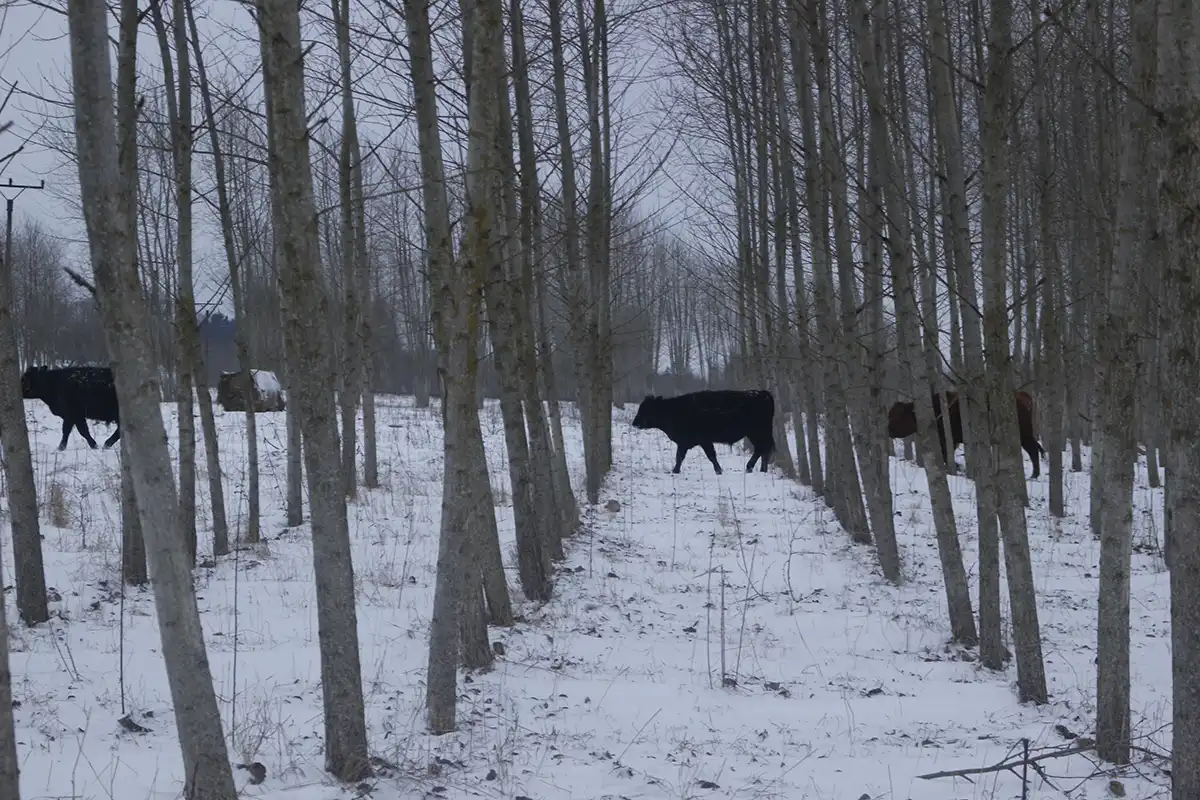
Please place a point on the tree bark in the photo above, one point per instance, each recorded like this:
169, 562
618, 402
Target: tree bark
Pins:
958, 596
1179, 197
456, 304
302, 287
107, 177
237, 285
1010, 475
1118, 348
10, 773
352, 239
32, 605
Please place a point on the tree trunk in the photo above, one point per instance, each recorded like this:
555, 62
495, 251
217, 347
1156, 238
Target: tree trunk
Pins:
302, 287
1118, 348
545, 498
456, 303
972, 399
958, 596
10, 779
236, 282
1010, 475
133, 544
578, 299
107, 176
1179, 196
1053, 388
192, 372
349, 174
32, 605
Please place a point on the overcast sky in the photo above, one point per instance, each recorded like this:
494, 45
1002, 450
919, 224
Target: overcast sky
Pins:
34, 53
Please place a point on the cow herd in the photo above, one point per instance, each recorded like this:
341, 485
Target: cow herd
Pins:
704, 418
697, 419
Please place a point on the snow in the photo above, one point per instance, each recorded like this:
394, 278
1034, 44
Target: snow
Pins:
266, 382
842, 686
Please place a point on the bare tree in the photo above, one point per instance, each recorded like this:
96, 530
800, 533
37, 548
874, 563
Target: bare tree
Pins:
10, 778
1009, 471
923, 364
106, 178
1115, 434
302, 285
1179, 197
354, 255
237, 286
192, 370
32, 605
456, 310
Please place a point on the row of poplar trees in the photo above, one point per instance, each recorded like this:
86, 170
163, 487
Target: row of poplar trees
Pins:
812, 106
501, 245
1024, 176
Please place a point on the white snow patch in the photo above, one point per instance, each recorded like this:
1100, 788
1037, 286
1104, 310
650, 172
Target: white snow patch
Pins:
838, 685
266, 382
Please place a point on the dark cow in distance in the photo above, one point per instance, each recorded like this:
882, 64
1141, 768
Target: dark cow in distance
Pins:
75, 395
902, 421
712, 417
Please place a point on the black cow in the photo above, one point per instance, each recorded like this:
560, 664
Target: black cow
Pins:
902, 422
75, 394
709, 417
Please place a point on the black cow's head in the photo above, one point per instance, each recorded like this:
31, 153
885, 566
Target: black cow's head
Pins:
649, 412
36, 383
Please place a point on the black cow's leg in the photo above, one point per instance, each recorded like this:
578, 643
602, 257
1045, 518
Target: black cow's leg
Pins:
82, 427
67, 426
712, 455
1032, 449
115, 436
680, 453
762, 450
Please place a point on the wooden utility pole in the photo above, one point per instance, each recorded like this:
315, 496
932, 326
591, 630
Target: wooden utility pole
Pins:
18, 459
8, 218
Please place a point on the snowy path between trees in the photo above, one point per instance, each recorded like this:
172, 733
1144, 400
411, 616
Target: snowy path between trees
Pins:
837, 685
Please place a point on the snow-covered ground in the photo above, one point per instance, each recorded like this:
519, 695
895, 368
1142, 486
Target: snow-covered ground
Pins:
837, 686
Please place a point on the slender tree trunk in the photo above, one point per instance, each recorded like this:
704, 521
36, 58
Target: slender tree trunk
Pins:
107, 177
192, 371
351, 238
366, 286
568, 505
1179, 196
236, 281
578, 299
1052, 340
302, 287
1118, 348
546, 487
958, 596
974, 411
133, 544
10, 779
1031, 672
32, 605
456, 303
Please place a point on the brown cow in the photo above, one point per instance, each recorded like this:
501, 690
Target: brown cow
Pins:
902, 421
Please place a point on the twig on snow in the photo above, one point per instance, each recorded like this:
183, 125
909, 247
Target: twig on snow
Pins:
1012, 763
